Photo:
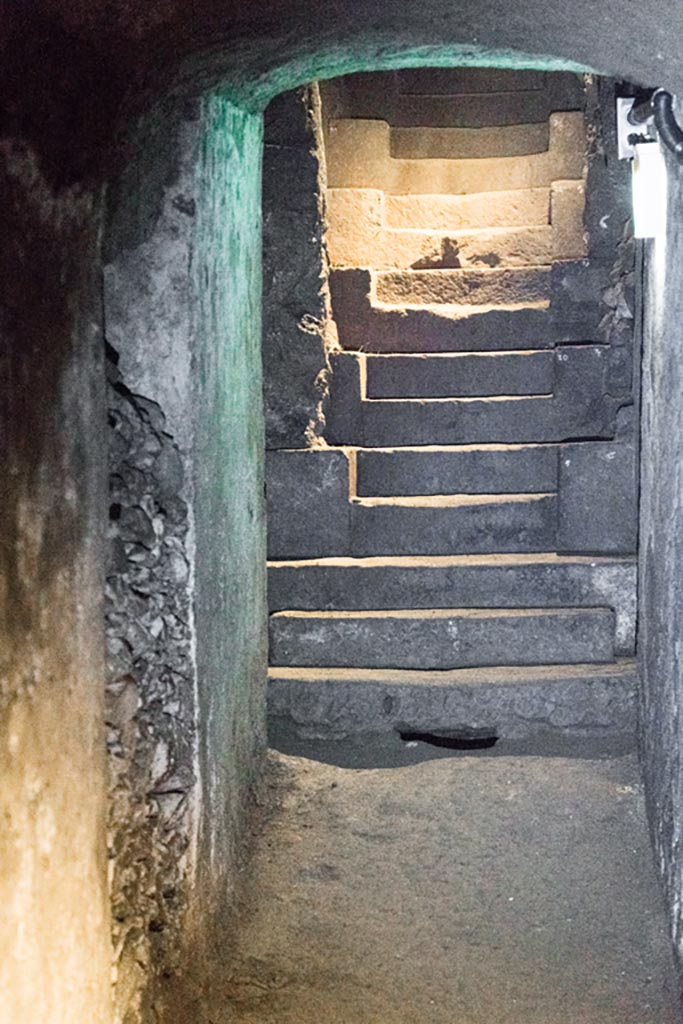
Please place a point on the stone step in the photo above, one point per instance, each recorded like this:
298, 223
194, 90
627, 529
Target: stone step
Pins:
459, 375
473, 111
509, 702
470, 581
358, 234
359, 156
508, 209
466, 469
588, 390
574, 315
443, 638
480, 287
424, 142
460, 524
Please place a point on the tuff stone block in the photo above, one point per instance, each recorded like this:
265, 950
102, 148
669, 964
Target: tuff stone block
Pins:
512, 208
307, 495
428, 142
357, 235
359, 156
442, 638
597, 502
473, 287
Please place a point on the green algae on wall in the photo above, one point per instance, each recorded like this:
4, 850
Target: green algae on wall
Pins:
230, 516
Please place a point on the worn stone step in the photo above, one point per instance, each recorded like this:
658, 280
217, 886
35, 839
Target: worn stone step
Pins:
509, 702
442, 638
476, 581
460, 524
358, 234
507, 209
359, 156
467, 469
426, 142
574, 315
588, 390
472, 111
479, 287
459, 375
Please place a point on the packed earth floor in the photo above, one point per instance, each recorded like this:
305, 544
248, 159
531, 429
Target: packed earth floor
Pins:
461, 890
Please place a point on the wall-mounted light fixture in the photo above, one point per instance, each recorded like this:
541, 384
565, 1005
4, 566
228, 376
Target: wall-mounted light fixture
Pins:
642, 126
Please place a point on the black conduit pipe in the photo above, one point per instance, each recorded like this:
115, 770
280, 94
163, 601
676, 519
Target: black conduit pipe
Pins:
668, 127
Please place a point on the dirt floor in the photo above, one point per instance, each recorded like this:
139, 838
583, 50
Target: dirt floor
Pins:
457, 891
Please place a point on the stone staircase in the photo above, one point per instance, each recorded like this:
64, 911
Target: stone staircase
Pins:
461, 554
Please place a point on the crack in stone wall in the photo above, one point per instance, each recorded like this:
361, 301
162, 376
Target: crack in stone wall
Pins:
149, 693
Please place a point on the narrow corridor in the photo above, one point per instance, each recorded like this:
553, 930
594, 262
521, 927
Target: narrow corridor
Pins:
452, 585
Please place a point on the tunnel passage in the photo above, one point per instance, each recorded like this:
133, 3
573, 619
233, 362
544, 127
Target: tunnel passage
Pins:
452, 538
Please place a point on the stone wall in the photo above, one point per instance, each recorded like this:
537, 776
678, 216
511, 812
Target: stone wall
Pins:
150, 628
185, 601
661, 549
296, 314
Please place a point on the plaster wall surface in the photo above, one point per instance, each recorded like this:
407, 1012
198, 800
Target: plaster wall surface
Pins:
230, 601
54, 935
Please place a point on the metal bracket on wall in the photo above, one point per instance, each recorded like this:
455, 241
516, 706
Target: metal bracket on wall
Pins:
649, 120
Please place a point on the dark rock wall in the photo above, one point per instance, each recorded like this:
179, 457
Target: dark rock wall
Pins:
151, 705
295, 297
150, 714
661, 547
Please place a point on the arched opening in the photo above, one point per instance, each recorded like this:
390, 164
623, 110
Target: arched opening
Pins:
222, 246
435, 463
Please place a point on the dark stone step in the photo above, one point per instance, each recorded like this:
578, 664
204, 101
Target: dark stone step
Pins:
485, 581
507, 702
574, 315
588, 390
467, 470
467, 525
442, 638
450, 376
